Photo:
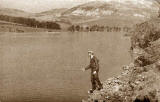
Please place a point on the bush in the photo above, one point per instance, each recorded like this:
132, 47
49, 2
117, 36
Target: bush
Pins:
145, 33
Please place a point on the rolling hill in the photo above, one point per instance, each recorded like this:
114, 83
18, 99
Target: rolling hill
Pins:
49, 15
108, 12
14, 12
137, 8
51, 12
111, 11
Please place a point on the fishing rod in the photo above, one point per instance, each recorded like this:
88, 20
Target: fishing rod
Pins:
71, 66
73, 70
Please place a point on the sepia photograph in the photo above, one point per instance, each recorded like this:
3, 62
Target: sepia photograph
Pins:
79, 50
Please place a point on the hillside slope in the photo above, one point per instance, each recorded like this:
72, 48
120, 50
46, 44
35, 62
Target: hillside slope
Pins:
19, 28
139, 8
49, 15
112, 11
139, 81
14, 12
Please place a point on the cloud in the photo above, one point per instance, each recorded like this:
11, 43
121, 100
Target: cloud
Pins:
39, 5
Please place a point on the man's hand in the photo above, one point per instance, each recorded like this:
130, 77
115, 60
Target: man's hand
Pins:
94, 72
83, 69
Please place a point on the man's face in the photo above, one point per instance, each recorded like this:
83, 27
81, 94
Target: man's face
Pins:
89, 55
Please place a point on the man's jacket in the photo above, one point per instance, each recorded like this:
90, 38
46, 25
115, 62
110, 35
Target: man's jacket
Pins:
94, 65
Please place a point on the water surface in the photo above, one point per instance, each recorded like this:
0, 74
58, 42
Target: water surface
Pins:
45, 67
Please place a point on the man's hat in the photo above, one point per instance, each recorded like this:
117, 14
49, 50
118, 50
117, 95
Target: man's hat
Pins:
91, 52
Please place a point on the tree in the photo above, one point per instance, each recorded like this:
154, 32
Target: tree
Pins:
71, 28
77, 27
31, 22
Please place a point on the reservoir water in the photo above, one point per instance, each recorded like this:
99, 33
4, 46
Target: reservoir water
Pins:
46, 67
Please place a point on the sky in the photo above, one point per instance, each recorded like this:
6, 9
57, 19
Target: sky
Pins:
35, 6
40, 5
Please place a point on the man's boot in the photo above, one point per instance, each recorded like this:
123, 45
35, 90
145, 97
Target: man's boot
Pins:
100, 87
90, 91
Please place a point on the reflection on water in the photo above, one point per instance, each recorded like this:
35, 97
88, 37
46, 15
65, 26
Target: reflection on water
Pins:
46, 66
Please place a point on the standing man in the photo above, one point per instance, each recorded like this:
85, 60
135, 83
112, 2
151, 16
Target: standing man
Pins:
94, 66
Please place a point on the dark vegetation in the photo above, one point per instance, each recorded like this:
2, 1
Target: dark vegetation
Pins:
146, 38
30, 22
83, 28
144, 34
145, 99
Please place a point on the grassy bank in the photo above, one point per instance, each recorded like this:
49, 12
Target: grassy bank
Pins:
19, 28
